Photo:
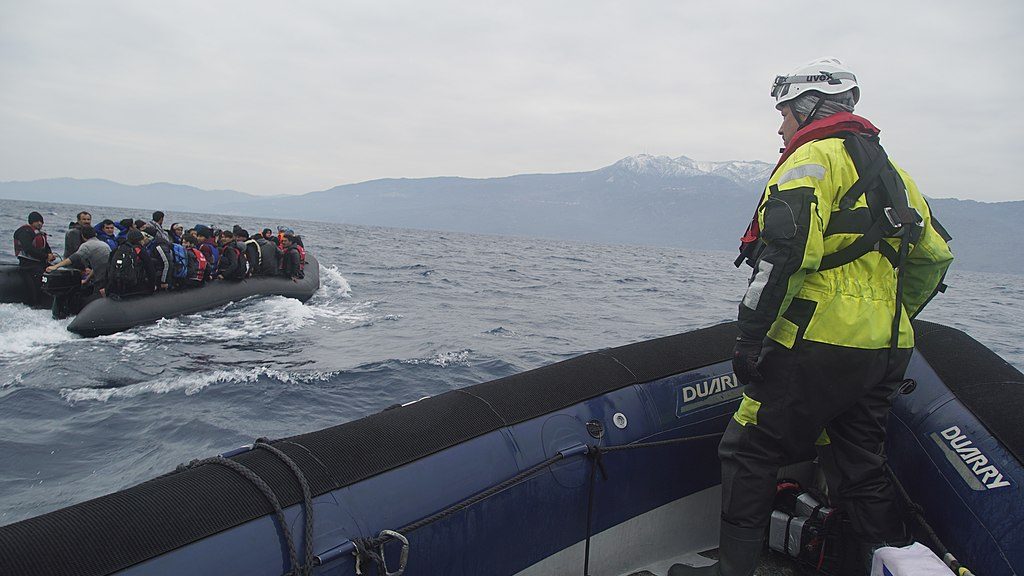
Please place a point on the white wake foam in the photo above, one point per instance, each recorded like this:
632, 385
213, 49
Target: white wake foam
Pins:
442, 359
333, 286
26, 334
262, 315
192, 383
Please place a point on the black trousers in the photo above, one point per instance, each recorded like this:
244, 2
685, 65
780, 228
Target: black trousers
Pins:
847, 393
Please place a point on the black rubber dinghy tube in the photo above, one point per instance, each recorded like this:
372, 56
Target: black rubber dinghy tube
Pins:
109, 315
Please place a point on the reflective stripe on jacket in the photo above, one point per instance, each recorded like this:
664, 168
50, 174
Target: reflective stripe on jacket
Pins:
852, 305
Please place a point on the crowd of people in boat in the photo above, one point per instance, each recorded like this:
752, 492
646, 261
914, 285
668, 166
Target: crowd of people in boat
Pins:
129, 256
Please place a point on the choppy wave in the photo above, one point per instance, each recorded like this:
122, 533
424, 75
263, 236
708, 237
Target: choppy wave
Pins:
193, 383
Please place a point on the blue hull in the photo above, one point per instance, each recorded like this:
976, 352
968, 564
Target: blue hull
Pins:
391, 469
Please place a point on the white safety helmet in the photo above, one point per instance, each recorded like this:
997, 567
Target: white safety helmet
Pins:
825, 75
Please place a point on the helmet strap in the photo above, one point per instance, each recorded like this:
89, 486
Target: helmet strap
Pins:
810, 115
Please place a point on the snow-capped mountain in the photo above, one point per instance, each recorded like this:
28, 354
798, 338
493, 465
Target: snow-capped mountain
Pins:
658, 166
742, 172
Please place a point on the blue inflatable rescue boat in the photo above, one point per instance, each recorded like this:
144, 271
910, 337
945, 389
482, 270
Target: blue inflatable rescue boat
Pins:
604, 465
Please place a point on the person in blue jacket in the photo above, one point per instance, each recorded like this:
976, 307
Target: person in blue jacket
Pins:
107, 232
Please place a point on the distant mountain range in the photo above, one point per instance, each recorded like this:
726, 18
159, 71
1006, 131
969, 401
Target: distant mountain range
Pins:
640, 199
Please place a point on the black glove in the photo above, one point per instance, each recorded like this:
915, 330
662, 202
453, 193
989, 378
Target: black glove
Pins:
744, 360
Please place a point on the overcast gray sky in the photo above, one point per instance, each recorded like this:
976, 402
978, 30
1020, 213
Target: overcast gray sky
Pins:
291, 97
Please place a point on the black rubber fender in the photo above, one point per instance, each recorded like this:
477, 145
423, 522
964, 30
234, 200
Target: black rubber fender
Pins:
110, 315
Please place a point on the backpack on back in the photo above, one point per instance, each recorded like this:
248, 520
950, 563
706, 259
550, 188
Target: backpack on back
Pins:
181, 269
123, 271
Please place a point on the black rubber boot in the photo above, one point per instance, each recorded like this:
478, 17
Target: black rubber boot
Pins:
738, 552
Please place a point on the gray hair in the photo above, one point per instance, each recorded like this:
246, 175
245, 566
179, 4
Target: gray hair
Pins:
832, 104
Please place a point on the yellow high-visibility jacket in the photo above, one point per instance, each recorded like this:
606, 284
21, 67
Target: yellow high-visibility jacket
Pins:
852, 305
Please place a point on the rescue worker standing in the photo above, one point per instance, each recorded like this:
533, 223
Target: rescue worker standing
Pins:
845, 252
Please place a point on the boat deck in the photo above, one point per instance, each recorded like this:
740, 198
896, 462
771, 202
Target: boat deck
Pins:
771, 564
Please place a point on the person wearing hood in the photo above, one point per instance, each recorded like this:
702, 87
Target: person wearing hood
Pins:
73, 237
106, 231
176, 233
844, 251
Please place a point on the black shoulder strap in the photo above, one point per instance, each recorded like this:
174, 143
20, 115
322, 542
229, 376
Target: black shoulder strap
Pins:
894, 217
870, 159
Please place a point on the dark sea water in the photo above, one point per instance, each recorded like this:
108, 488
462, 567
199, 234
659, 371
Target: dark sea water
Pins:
402, 314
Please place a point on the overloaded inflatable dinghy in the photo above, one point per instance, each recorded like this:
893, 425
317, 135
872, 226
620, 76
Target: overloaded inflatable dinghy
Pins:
99, 316
604, 464
107, 315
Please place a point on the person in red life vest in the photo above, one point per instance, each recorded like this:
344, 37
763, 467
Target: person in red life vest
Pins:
233, 265
196, 261
293, 258
33, 252
844, 251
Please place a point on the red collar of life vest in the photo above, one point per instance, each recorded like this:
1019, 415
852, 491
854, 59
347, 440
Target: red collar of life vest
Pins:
817, 130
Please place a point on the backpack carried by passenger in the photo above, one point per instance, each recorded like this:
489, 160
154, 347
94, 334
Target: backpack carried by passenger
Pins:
123, 270
180, 270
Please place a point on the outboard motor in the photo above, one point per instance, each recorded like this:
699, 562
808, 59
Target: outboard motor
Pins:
65, 285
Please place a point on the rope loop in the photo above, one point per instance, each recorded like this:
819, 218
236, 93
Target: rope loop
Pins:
365, 553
